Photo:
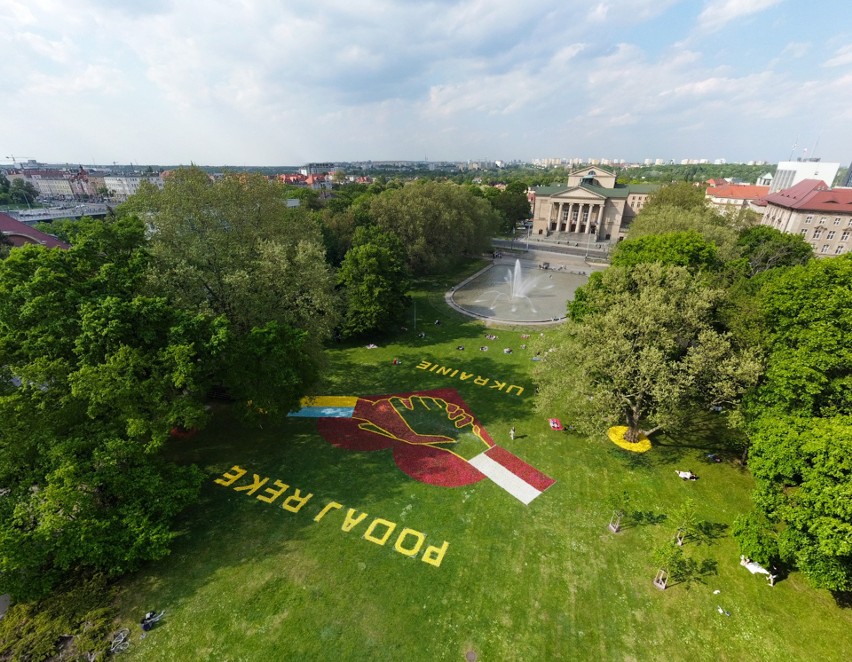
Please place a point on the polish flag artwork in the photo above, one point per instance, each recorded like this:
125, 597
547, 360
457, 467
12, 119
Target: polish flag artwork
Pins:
433, 435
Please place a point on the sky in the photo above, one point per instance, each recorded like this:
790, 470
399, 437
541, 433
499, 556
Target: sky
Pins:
257, 82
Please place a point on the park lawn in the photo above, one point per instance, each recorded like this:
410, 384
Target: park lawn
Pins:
248, 580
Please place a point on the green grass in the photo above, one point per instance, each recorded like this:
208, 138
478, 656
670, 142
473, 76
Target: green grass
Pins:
248, 580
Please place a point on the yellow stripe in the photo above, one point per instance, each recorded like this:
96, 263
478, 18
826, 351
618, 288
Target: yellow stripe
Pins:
330, 401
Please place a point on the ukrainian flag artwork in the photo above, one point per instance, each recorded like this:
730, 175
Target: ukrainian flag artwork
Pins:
327, 406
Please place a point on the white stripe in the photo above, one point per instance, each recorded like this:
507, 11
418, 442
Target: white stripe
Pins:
517, 487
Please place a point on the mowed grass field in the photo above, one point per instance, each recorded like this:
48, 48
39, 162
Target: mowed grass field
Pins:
250, 580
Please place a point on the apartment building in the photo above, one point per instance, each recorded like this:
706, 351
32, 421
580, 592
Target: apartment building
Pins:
822, 215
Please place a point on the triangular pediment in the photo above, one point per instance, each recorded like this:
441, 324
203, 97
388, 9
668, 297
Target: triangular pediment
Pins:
592, 175
577, 194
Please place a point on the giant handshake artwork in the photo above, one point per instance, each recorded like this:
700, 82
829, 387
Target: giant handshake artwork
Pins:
433, 436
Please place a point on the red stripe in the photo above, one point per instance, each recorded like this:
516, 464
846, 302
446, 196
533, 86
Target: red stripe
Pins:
520, 468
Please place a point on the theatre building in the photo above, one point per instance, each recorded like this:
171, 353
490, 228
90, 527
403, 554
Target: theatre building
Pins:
590, 207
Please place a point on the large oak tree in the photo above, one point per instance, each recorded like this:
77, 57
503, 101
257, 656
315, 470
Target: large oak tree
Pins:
641, 348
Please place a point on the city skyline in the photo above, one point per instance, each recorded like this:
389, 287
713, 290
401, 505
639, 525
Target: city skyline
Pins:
253, 84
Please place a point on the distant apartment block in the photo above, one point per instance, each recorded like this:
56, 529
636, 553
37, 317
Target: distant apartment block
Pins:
790, 173
820, 214
122, 187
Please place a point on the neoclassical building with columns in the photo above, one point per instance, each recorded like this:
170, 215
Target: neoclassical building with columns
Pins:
590, 207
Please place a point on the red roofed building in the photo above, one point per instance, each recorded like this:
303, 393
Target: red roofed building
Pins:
734, 196
293, 179
822, 215
21, 234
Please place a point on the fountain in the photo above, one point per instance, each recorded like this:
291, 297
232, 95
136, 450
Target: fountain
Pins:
519, 290
512, 294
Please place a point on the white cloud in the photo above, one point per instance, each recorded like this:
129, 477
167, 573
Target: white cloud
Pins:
599, 13
260, 82
93, 78
796, 49
58, 50
842, 58
716, 15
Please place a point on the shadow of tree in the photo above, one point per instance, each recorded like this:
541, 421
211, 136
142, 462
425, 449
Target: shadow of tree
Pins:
646, 517
695, 572
842, 599
706, 533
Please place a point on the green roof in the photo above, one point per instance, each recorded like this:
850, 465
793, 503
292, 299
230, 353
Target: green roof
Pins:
620, 190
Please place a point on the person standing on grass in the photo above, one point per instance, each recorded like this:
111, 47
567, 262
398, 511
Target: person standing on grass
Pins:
512, 433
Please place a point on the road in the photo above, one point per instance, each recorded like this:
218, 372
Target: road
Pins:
546, 251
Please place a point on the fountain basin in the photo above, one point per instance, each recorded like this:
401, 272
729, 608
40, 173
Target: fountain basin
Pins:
517, 294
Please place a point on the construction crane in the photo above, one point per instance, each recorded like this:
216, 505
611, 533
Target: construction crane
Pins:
15, 159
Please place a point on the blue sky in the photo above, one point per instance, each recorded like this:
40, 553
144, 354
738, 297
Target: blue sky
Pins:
254, 82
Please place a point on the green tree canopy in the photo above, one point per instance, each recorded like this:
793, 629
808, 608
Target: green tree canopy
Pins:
375, 282
437, 222
805, 313
685, 249
231, 246
803, 470
17, 191
663, 219
93, 376
642, 348
511, 204
682, 195
765, 248
799, 421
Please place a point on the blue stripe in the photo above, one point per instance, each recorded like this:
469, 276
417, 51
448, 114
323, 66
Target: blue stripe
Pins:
324, 412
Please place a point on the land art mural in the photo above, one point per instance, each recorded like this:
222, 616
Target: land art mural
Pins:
433, 435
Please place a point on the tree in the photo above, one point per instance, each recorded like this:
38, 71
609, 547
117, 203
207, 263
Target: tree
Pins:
619, 502
262, 369
685, 519
805, 315
663, 219
685, 249
681, 195
6, 246
437, 223
511, 203
803, 471
641, 348
765, 248
338, 229
375, 282
93, 376
232, 247
799, 421
757, 537
22, 192
670, 559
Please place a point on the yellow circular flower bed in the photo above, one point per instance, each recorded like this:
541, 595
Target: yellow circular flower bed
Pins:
616, 436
